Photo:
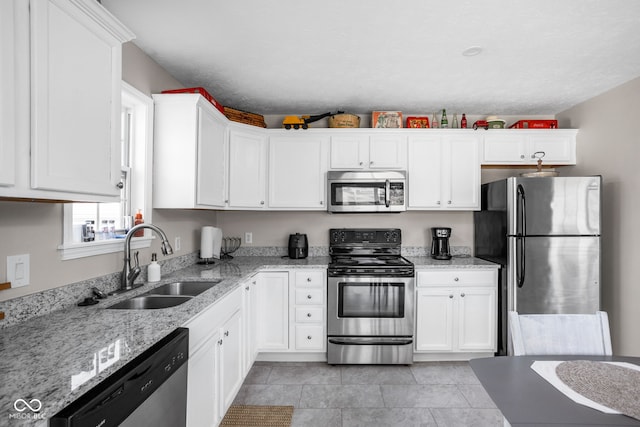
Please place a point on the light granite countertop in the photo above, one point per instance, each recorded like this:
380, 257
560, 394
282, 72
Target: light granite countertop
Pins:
57, 357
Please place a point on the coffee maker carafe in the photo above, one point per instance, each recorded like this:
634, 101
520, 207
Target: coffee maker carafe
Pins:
440, 243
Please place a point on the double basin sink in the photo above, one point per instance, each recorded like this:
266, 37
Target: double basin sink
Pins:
167, 295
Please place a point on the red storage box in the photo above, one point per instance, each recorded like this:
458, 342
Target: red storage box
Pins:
535, 124
202, 91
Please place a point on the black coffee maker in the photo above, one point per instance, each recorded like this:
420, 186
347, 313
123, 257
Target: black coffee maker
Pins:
440, 243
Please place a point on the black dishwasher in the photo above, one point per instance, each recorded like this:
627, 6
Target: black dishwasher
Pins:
151, 390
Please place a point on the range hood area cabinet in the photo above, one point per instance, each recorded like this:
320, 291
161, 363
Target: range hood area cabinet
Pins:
190, 147
61, 86
349, 151
444, 171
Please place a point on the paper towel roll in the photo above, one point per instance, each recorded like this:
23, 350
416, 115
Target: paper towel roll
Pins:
206, 242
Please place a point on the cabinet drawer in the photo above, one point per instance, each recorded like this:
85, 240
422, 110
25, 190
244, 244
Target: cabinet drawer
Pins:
455, 277
208, 321
310, 337
310, 279
309, 296
309, 314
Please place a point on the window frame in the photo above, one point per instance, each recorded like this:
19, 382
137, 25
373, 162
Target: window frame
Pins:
141, 175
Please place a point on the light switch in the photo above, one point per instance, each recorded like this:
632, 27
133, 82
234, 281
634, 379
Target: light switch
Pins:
18, 270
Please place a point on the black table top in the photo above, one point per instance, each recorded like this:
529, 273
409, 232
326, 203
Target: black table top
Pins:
526, 399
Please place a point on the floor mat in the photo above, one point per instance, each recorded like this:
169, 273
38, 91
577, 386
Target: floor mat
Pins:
257, 416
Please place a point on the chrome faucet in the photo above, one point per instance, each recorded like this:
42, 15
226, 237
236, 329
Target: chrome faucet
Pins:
129, 274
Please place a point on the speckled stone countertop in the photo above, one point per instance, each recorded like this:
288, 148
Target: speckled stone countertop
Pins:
57, 357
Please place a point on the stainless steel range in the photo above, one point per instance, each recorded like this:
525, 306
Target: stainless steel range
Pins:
370, 298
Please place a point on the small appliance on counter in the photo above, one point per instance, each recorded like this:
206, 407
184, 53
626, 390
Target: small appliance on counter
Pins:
440, 243
298, 246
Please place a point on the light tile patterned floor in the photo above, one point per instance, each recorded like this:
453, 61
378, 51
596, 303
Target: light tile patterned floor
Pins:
438, 394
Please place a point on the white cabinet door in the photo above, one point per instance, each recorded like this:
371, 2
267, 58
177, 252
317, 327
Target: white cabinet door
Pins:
349, 152
387, 151
202, 385
444, 171
425, 172
75, 95
434, 319
8, 84
231, 367
272, 311
297, 172
368, 151
461, 182
211, 163
190, 157
249, 304
519, 147
477, 319
247, 169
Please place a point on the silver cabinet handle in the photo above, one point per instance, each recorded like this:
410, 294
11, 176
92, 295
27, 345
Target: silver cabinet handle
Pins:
309, 297
226, 201
455, 279
438, 202
462, 295
321, 202
308, 337
450, 296
262, 202
219, 342
308, 314
120, 185
226, 333
522, 156
449, 202
308, 279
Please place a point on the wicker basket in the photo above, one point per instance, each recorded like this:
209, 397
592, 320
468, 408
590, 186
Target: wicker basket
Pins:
245, 117
344, 121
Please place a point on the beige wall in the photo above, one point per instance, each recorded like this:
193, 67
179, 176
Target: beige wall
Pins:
609, 145
36, 228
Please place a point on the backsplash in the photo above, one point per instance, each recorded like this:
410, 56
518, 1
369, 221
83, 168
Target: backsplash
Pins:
23, 308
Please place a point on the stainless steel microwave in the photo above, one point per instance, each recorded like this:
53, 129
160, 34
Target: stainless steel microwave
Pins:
360, 191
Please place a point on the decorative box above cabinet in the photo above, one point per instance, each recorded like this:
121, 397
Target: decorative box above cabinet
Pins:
522, 147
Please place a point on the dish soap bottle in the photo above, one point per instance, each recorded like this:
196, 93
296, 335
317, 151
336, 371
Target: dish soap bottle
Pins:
138, 220
153, 271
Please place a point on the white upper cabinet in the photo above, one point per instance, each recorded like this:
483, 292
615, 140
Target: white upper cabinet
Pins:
297, 171
76, 58
190, 149
519, 147
368, 151
247, 168
444, 171
65, 139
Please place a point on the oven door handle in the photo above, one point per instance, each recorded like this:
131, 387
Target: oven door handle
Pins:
371, 341
387, 190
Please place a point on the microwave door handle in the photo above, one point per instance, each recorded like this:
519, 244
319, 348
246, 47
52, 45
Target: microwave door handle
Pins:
387, 190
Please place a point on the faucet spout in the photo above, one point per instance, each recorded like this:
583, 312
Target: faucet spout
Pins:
130, 274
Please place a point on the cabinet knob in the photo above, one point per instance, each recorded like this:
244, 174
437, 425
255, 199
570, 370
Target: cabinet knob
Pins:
455, 279
308, 337
361, 163
321, 202
226, 333
371, 163
246, 289
438, 202
219, 342
308, 279
226, 201
120, 185
262, 202
462, 295
254, 282
308, 314
449, 202
309, 297
450, 296
522, 156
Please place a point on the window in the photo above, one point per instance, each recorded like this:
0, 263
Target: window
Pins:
111, 220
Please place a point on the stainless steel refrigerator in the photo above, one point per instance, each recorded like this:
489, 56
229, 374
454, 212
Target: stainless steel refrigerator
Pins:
545, 233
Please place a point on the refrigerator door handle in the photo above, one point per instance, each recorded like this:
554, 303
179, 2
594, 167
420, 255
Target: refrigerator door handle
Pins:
520, 260
521, 225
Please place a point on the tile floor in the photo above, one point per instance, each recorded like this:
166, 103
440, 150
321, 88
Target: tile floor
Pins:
424, 394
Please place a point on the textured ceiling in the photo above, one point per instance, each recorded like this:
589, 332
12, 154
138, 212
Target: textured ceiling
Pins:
310, 57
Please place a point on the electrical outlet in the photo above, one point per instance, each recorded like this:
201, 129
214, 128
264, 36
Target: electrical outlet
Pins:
176, 246
248, 238
18, 270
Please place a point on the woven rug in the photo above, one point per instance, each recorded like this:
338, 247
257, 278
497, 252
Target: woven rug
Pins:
613, 386
257, 416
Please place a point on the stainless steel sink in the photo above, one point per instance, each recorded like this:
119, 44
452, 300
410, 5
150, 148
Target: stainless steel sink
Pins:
151, 302
167, 295
184, 288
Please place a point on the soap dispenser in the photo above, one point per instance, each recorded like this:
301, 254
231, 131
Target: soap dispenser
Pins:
153, 271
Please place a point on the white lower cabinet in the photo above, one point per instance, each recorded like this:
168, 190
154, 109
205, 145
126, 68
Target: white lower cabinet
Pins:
308, 324
456, 311
272, 311
215, 369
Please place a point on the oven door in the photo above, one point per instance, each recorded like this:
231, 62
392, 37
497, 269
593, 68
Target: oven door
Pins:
370, 306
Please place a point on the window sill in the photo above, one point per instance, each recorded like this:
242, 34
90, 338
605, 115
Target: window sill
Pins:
100, 247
